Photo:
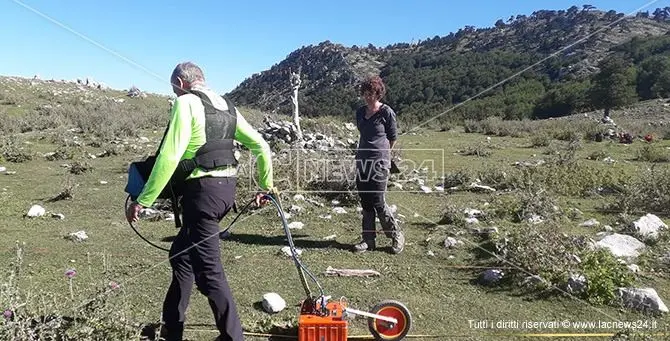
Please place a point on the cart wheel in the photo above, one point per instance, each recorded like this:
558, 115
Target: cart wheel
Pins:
381, 330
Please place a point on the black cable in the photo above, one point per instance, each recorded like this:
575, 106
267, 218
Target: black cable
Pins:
301, 267
138, 233
167, 250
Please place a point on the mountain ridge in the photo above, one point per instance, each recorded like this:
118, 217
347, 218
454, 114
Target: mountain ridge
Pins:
331, 71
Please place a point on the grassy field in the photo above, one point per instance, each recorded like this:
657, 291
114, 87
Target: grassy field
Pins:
436, 283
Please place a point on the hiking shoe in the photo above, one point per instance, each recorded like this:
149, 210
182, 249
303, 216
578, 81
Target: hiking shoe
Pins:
364, 246
398, 243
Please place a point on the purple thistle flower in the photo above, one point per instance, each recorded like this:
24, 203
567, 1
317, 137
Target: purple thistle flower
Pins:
113, 285
8, 314
70, 273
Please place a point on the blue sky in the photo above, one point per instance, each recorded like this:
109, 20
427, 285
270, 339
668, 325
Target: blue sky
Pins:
230, 40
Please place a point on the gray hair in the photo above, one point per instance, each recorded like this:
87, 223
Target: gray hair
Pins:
188, 72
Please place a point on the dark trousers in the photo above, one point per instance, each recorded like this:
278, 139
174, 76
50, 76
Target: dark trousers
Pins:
371, 182
195, 257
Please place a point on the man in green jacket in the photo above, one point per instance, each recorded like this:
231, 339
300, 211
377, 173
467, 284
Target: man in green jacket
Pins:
207, 196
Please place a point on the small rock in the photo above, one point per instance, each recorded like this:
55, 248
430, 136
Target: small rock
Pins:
287, 251
535, 219
396, 185
335, 202
608, 228
481, 188
485, 231
577, 259
273, 303
648, 226
621, 245
576, 284
103, 182
148, 213
298, 197
575, 212
634, 268
295, 208
3, 169
60, 216
326, 216
642, 299
472, 213
532, 281
331, 237
36, 211
471, 220
296, 225
314, 202
590, 223
491, 276
430, 253
340, 210
426, 189
450, 242
78, 236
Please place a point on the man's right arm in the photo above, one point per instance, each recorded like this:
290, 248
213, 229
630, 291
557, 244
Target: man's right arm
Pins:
252, 139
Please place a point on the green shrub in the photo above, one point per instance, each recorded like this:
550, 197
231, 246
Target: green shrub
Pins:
539, 250
472, 126
604, 275
457, 178
540, 140
648, 191
478, 150
12, 152
649, 153
554, 256
597, 155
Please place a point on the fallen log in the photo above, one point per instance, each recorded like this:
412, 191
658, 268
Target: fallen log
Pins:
330, 271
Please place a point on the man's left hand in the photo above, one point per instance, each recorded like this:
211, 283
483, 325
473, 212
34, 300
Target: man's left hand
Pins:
133, 212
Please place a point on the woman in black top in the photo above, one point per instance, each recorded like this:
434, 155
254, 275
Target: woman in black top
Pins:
376, 123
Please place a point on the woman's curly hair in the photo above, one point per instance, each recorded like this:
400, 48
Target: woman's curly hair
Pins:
375, 86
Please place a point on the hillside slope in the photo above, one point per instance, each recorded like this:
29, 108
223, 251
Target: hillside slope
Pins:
432, 75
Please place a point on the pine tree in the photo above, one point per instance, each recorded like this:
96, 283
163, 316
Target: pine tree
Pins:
614, 85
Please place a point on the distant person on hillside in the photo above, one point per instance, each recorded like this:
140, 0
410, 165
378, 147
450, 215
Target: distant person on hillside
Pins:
377, 125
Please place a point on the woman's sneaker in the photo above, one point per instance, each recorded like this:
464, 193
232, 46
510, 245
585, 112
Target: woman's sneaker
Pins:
364, 245
398, 243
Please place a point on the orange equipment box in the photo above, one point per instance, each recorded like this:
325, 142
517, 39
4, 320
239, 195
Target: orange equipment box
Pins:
332, 327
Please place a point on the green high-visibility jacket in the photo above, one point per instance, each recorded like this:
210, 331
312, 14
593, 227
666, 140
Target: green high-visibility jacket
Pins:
186, 133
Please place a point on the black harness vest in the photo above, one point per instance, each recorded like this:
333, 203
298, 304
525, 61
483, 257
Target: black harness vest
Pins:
218, 150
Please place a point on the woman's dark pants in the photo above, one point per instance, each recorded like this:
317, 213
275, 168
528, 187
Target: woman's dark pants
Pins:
371, 182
